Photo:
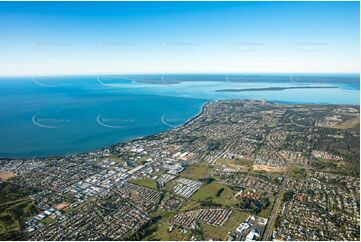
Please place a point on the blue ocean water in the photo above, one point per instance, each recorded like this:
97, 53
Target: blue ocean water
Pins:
52, 116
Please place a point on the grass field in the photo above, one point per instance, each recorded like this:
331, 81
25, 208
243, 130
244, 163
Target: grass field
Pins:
159, 230
241, 164
297, 171
115, 159
145, 182
197, 171
216, 192
274, 174
190, 205
221, 232
47, 220
348, 124
142, 160
265, 213
161, 233
15, 207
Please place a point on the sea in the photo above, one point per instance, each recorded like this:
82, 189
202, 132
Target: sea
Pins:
61, 115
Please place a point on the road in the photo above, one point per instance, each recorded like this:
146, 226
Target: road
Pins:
278, 202
276, 208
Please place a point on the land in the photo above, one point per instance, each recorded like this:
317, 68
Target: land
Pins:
6, 175
270, 88
240, 170
244, 78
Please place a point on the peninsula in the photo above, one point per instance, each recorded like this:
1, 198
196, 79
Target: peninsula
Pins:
271, 88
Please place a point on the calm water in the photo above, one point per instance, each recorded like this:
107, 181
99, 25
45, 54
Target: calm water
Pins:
66, 115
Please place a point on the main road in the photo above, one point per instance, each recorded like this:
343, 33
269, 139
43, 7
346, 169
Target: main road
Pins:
276, 208
278, 202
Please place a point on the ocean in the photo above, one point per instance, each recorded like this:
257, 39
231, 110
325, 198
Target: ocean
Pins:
54, 116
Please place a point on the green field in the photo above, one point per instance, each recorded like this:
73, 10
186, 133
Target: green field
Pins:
190, 205
142, 160
115, 158
336, 167
15, 208
217, 193
47, 220
160, 229
265, 213
145, 182
266, 173
162, 233
212, 193
297, 171
197, 171
348, 124
221, 232
241, 164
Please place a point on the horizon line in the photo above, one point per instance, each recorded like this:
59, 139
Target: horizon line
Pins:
184, 73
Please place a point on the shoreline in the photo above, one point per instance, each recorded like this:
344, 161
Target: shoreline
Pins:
273, 89
113, 145
159, 133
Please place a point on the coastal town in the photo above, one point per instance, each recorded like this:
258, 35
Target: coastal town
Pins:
240, 170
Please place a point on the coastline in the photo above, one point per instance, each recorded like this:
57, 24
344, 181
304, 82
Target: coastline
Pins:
273, 89
159, 133
116, 144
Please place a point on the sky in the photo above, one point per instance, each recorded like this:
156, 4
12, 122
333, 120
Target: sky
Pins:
66, 38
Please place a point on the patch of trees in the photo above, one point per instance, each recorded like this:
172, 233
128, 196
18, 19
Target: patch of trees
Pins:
207, 180
288, 195
213, 145
219, 192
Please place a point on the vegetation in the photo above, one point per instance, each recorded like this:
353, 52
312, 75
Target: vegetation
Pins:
288, 195
221, 232
115, 159
348, 147
15, 207
47, 220
252, 205
213, 145
197, 171
142, 160
190, 205
215, 193
337, 167
145, 182
243, 164
207, 180
219, 192
348, 124
159, 228
267, 209
161, 232
297, 171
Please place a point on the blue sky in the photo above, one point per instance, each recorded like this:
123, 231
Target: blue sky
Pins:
65, 38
